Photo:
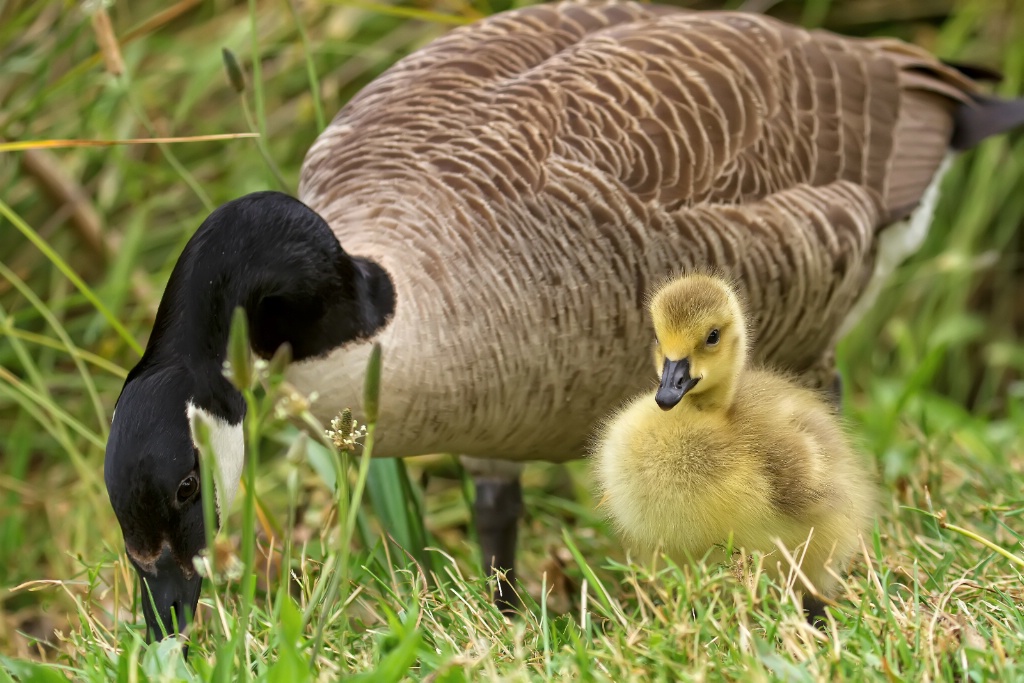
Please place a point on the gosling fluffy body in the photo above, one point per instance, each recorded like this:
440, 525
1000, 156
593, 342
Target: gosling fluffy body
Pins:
745, 453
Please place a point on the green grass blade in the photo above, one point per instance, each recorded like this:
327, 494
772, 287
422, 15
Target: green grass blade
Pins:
69, 273
69, 346
314, 80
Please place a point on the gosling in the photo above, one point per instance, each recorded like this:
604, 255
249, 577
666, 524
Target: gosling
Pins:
725, 451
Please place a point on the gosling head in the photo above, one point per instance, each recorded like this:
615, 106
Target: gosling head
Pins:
701, 340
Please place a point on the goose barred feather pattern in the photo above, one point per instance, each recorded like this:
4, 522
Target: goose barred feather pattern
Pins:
539, 172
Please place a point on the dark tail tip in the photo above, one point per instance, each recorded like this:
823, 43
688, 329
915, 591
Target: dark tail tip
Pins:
976, 72
984, 117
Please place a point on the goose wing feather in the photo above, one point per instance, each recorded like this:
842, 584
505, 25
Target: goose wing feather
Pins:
534, 174
677, 107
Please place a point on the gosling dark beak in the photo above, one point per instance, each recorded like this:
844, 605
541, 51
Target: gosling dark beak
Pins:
675, 382
169, 597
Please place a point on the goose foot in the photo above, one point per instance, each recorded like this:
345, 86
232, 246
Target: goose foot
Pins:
498, 507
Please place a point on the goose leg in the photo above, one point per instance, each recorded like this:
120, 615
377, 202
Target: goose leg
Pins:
824, 377
837, 390
815, 611
498, 507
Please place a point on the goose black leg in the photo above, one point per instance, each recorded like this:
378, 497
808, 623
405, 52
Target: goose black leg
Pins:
815, 611
498, 507
825, 378
837, 391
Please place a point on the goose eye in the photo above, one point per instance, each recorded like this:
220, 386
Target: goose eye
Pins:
713, 337
189, 487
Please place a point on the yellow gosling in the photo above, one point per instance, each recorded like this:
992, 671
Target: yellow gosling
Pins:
724, 450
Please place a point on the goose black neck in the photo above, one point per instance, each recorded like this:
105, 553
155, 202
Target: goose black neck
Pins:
279, 260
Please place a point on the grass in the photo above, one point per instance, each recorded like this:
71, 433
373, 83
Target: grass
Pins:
933, 387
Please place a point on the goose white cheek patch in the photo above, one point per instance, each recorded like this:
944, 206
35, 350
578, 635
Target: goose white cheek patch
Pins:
228, 444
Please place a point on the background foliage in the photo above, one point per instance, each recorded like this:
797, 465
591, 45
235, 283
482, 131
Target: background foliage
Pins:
88, 235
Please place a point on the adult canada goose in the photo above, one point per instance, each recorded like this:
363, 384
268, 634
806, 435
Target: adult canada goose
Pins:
504, 197
724, 452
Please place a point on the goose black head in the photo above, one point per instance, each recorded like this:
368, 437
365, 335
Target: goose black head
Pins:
275, 257
153, 480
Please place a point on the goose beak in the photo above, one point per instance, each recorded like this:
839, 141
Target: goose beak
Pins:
675, 382
169, 597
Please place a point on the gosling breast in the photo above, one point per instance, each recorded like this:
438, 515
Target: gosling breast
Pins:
775, 466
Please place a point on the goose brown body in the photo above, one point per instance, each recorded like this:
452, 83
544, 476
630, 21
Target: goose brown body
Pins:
527, 179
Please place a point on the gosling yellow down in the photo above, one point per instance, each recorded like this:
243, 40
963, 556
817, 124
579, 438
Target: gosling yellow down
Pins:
725, 450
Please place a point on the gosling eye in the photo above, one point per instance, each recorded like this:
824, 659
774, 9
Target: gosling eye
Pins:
188, 488
713, 337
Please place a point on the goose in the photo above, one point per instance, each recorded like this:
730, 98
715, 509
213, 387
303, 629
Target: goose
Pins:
722, 453
491, 209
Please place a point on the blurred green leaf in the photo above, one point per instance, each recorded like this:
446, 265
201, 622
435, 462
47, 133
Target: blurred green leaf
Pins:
395, 665
290, 665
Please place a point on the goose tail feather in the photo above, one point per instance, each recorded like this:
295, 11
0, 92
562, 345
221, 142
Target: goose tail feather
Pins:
976, 72
984, 117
